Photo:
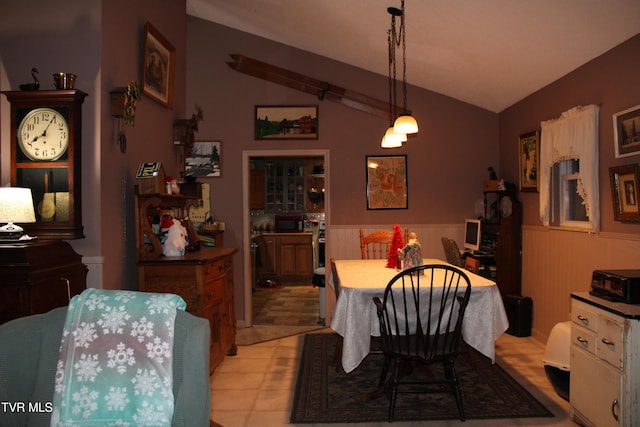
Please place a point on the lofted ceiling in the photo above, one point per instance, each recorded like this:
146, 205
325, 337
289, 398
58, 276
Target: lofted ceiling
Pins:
489, 53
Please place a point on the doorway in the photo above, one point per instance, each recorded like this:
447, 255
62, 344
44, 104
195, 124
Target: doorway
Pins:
248, 267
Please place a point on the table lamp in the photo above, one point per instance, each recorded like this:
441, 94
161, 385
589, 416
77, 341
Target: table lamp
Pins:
16, 205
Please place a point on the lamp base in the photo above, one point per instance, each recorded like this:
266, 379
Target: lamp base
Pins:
11, 232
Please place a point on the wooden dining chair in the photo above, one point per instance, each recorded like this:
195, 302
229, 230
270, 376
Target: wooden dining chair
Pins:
376, 244
429, 335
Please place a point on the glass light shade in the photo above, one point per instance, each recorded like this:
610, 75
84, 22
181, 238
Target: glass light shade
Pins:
392, 139
405, 123
16, 205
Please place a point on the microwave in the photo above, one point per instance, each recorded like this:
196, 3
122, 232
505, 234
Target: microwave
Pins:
289, 224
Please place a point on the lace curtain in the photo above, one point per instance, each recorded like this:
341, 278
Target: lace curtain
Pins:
574, 135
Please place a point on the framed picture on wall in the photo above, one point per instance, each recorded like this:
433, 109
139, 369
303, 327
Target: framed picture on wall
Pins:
158, 66
204, 160
387, 182
286, 122
626, 132
624, 191
529, 160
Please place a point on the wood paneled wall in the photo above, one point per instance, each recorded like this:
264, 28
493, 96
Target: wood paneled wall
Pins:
556, 263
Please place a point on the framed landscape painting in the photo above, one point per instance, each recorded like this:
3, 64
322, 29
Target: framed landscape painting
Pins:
387, 182
626, 132
205, 160
286, 122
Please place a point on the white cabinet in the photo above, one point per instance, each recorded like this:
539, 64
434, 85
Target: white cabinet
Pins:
605, 351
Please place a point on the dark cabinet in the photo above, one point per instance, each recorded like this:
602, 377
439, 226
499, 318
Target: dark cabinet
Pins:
38, 276
504, 229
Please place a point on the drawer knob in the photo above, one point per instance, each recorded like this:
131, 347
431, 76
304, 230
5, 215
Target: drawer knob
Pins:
582, 340
607, 342
583, 319
614, 404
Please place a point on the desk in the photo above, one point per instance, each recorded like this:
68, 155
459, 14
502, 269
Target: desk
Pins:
355, 317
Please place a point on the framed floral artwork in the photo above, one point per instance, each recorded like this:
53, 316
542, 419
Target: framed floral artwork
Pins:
387, 182
158, 66
529, 160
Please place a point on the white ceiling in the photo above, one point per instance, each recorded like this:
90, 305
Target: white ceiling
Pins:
489, 53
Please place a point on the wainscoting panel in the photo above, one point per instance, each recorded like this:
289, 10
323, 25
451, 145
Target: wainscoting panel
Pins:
556, 263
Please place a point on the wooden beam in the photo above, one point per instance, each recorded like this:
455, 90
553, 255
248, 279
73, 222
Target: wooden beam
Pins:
321, 89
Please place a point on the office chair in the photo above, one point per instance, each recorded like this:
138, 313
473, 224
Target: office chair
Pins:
451, 252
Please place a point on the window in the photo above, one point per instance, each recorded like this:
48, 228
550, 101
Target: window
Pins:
569, 189
568, 206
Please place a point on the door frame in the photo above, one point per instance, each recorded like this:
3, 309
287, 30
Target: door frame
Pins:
246, 214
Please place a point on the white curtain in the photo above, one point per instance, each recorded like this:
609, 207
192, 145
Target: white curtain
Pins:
574, 135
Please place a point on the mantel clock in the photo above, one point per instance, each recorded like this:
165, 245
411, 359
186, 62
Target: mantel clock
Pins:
46, 130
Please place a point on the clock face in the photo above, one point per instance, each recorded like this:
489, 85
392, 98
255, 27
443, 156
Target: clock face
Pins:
43, 135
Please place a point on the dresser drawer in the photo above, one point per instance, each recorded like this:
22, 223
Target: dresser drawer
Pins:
213, 293
584, 315
214, 270
610, 343
584, 339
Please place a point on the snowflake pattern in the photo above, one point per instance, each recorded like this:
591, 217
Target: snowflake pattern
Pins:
117, 399
142, 329
87, 368
148, 415
84, 334
123, 375
145, 383
120, 358
85, 402
158, 304
113, 320
159, 350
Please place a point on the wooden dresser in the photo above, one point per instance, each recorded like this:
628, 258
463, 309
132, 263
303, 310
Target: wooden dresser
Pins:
204, 279
38, 276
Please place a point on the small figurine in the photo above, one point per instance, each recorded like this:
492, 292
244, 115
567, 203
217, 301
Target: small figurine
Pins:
492, 174
32, 86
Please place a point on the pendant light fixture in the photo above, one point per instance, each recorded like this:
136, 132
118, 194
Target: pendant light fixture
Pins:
405, 123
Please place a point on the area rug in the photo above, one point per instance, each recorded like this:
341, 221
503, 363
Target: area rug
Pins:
325, 394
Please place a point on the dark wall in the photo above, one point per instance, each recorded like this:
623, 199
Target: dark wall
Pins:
610, 81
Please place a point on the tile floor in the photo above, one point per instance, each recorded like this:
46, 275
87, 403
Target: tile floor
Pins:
255, 388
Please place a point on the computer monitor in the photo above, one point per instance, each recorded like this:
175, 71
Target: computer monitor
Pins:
472, 234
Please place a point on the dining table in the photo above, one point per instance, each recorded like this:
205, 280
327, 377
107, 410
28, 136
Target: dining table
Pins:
356, 320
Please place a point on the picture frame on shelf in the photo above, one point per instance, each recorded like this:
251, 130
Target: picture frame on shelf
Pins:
626, 132
529, 160
204, 160
286, 122
387, 183
158, 66
624, 192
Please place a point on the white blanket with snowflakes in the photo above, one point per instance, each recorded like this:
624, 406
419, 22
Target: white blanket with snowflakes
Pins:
116, 359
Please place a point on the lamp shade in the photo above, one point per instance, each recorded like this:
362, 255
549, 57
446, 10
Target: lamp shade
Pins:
405, 123
392, 139
16, 205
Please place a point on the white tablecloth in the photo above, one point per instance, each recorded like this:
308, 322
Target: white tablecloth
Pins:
356, 321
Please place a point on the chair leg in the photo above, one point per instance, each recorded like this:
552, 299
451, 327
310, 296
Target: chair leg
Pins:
450, 372
394, 389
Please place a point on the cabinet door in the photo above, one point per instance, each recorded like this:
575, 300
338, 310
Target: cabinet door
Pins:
268, 256
287, 260
304, 260
596, 390
256, 189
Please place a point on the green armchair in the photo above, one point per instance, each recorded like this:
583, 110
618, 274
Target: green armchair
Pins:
29, 349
